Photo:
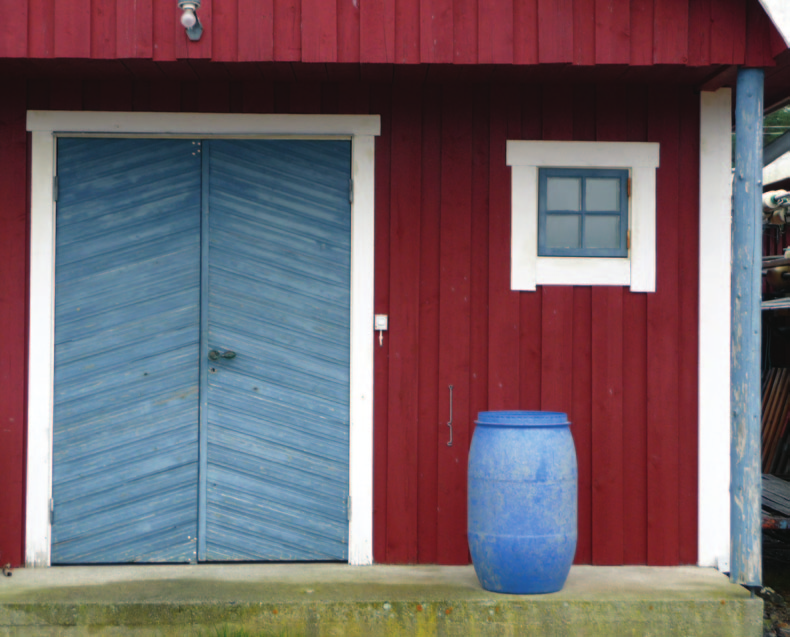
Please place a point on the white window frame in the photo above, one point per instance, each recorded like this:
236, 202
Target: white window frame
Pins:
45, 127
528, 270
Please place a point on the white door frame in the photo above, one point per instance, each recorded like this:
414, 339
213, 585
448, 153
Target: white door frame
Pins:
45, 127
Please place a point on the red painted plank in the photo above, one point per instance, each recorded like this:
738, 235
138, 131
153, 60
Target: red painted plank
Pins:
612, 31
287, 30
202, 49
226, 20
671, 34
478, 389
66, 95
13, 318
72, 29
41, 28
305, 98
584, 32
525, 31
635, 373
642, 32
556, 351
607, 425
348, 31
213, 97
256, 30
503, 335
436, 31
699, 32
403, 435
776, 41
377, 31
319, 31
728, 19
165, 18
13, 30
103, 29
465, 31
134, 29
454, 318
581, 409
555, 38
530, 303
758, 37
430, 203
258, 97
581, 417
381, 103
688, 236
407, 32
495, 32
662, 341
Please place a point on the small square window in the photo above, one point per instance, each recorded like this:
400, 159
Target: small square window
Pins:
583, 212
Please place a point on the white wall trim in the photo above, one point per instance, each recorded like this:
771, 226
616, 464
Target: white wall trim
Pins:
41, 350
715, 209
44, 125
201, 123
528, 269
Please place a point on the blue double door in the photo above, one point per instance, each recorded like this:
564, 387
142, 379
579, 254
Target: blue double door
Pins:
202, 308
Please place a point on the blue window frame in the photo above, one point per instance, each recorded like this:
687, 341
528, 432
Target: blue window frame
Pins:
582, 212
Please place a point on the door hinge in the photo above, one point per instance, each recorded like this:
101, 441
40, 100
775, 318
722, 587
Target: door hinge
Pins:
350, 191
348, 508
51, 511
628, 240
55, 188
628, 187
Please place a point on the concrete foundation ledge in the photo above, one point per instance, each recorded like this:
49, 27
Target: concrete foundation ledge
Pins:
325, 599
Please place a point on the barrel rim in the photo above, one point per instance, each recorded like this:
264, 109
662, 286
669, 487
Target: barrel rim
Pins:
522, 418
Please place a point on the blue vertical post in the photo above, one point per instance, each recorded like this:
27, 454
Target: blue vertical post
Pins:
745, 488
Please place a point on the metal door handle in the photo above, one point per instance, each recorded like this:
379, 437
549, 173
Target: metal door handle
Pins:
216, 355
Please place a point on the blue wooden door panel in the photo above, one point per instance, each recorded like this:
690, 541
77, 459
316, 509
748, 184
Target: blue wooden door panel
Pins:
279, 268
126, 351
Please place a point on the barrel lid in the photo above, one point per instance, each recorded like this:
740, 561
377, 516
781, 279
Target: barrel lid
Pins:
522, 418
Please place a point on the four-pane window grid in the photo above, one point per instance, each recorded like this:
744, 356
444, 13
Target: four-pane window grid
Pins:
583, 212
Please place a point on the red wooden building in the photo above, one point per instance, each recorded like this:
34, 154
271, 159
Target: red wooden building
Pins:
631, 350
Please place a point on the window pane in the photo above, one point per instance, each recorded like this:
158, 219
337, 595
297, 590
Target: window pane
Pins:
602, 231
563, 193
563, 231
602, 194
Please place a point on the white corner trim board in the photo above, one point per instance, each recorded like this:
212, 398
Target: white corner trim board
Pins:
529, 270
714, 327
45, 126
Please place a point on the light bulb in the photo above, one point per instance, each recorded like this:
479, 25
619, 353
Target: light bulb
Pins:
188, 18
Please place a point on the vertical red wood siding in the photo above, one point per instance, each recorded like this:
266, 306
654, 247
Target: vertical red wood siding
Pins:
13, 318
622, 365
582, 32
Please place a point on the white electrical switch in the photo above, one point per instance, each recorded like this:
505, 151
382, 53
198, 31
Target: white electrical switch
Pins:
380, 324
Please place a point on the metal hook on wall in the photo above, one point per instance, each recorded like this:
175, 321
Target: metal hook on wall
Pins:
450, 422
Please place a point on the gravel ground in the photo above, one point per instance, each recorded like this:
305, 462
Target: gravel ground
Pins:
776, 579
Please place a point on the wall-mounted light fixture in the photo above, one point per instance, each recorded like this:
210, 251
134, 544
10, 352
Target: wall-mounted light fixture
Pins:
190, 20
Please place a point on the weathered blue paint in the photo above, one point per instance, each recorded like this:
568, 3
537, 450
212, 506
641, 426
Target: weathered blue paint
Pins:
745, 520
166, 250
522, 501
204, 150
126, 351
279, 296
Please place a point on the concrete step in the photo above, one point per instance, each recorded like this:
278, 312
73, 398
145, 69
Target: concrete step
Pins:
319, 600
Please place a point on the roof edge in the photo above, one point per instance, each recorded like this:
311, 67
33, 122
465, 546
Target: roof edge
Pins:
779, 13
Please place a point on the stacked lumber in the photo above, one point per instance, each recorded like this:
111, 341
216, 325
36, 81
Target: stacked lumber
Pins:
775, 405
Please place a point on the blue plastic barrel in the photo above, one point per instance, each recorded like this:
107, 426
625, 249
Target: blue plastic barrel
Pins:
522, 501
